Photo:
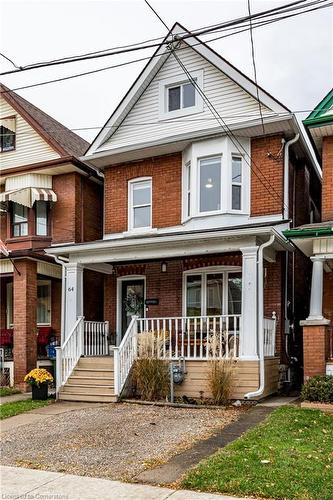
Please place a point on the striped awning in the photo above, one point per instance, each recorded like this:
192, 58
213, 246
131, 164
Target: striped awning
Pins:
28, 196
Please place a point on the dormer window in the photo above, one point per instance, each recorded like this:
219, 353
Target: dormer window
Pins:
7, 134
179, 96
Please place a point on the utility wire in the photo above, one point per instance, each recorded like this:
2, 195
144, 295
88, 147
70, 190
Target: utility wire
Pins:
254, 65
157, 15
77, 75
233, 22
229, 133
10, 60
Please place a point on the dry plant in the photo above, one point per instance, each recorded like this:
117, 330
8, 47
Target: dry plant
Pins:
220, 379
151, 373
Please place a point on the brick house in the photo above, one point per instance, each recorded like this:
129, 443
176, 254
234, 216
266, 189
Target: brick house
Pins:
47, 196
198, 191
316, 242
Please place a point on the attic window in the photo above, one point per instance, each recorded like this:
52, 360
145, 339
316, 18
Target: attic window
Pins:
7, 134
179, 96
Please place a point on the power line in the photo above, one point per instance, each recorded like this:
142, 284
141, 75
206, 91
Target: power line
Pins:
254, 66
202, 31
228, 132
85, 73
157, 15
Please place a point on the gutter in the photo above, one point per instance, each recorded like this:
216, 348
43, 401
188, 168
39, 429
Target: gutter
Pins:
286, 176
260, 320
308, 233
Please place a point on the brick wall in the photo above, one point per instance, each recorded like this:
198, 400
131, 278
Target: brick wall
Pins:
25, 329
93, 295
273, 296
327, 193
314, 344
265, 201
166, 186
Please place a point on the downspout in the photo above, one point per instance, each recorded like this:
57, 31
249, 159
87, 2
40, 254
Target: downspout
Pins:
260, 320
62, 261
286, 177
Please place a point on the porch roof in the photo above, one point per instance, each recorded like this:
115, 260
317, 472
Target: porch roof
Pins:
158, 245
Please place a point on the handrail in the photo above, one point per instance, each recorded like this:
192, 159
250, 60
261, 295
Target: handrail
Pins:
69, 353
124, 356
79, 319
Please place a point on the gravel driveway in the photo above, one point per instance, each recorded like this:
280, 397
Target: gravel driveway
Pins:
116, 441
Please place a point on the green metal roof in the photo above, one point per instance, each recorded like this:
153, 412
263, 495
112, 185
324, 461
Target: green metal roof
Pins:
319, 115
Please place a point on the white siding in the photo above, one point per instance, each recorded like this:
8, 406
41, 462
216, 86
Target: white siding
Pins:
233, 103
30, 146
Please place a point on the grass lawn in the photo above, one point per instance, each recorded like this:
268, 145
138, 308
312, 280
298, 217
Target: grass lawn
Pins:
11, 409
288, 456
8, 391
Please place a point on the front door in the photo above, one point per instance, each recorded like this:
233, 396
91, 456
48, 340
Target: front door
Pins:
132, 301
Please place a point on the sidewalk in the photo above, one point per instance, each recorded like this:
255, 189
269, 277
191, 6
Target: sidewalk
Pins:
17, 482
12, 398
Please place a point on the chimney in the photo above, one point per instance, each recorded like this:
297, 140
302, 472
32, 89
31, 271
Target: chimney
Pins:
327, 189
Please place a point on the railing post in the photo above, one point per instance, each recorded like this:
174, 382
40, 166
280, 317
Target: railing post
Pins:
58, 373
106, 337
135, 336
81, 336
116, 368
273, 332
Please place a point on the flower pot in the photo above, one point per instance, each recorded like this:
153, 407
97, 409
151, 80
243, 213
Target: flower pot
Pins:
39, 392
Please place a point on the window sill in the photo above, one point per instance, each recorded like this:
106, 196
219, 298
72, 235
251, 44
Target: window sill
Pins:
28, 242
140, 232
205, 215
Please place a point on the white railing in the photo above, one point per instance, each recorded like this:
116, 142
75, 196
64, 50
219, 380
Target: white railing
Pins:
69, 353
269, 335
124, 356
196, 337
96, 334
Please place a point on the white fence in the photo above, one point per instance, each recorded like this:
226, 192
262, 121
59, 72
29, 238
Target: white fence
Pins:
96, 335
269, 335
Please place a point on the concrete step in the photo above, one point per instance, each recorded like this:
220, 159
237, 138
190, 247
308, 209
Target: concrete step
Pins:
93, 372
88, 390
93, 398
89, 381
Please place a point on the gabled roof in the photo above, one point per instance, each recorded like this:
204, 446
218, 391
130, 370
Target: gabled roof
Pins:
60, 138
153, 66
322, 114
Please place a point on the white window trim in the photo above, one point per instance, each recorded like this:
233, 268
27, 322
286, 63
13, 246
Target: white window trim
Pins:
10, 303
120, 280
210, 212
48, 283
130, 207
165, 84
203, 271
241, 184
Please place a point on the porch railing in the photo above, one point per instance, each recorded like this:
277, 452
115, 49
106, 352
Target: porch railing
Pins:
269, 335
96, 335
124, 356
196, 337
69, 353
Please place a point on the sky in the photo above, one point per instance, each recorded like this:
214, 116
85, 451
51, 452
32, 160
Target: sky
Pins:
294, 57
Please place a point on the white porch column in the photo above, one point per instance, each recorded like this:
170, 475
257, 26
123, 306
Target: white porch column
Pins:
73, 295
316, 301
248, 337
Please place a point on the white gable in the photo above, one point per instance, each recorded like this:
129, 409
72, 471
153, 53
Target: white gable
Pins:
30, 146
143, 122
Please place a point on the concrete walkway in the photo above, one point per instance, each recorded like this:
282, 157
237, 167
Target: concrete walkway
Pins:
17, 482
12, 398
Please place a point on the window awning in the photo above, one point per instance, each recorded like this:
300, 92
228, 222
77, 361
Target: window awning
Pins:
28, 196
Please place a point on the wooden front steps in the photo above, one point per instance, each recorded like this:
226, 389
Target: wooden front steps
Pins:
92, 380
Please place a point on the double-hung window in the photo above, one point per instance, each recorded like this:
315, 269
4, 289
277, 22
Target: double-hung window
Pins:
181, 96
188, 189
140, 204
7, 134
236, 187
210, 184
44, 302
41, 218
20, 220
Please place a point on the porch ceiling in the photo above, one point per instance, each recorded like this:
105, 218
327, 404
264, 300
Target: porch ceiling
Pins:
165, 246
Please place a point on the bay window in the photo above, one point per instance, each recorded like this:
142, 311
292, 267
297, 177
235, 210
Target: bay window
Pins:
213, 292
41, 218
188, 188
43, 303
210, 184
140, 204
236, 187
19, 220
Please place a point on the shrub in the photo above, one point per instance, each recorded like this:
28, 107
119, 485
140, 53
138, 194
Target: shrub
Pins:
318, 388
150, 373
220, 378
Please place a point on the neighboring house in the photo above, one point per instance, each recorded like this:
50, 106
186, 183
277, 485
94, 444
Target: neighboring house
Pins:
194, 213
47, 196
316, 242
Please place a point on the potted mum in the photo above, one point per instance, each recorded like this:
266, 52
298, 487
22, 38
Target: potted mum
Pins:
39, 379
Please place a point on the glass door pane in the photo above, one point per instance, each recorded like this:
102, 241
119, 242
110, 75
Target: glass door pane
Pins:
193, 295
132, 302
234, 293
214, 294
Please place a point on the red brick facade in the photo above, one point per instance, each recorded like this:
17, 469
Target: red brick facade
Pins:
165, 172
314, 350
327, 167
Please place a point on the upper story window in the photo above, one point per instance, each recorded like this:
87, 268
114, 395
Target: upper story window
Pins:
188, 188
7, 134
140, 204
20, 220
236, 187
210, 184
41, 218
179, 97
